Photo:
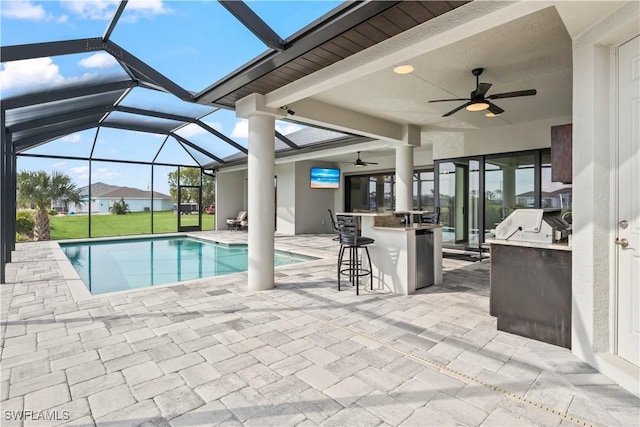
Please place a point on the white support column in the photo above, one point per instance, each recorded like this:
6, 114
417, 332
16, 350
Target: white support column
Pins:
404, 177
261, 203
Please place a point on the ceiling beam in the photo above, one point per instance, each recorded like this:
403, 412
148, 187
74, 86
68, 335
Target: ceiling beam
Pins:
137, 127
114, 20
59, 118
158, 114
39, 50
348, 17
39, 139
344, 120
198, 149
286, 140
254, 23
65, 93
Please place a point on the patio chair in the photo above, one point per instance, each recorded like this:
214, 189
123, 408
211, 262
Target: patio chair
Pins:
235, 223
334, 227
431, 217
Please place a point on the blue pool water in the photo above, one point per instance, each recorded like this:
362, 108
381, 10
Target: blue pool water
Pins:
117, 265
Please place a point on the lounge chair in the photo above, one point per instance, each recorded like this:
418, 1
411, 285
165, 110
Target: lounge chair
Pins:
234, 223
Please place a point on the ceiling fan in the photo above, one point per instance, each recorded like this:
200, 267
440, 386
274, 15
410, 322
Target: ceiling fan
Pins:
360, 163
477, 101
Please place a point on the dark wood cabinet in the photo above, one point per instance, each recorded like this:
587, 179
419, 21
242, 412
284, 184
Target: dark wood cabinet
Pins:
561, 153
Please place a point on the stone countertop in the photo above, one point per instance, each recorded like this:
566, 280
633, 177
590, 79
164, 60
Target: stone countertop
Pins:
555, 246
365, 213
403, 228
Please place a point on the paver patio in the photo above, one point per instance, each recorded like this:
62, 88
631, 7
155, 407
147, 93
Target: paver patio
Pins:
212, 352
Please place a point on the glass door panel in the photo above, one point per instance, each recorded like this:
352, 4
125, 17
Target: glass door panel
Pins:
459, 192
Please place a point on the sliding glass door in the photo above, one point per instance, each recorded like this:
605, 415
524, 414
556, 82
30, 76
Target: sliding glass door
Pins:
459, 201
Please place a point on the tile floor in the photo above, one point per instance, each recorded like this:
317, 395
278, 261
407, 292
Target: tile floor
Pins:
212, 352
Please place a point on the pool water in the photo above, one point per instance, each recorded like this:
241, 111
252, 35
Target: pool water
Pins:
117, 265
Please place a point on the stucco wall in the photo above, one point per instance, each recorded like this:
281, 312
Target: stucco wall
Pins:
230, 196
311, 204
503, 139
286, 198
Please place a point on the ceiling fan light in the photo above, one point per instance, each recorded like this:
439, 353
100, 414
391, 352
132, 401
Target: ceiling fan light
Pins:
403, 69
490, 114
477, 106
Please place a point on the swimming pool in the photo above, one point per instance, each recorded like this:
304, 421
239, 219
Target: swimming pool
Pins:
116, 265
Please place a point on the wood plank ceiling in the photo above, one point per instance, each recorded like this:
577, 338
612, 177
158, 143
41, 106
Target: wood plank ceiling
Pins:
391, 22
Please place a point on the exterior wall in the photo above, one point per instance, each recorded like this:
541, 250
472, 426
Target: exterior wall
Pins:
230, 196
525, 136
286, 198
311, 204
593, 281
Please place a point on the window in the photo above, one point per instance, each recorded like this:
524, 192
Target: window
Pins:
423, 190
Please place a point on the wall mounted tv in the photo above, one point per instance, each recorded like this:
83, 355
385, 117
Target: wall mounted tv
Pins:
325, 178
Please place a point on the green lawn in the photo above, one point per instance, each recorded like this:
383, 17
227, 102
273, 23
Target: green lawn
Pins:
77, 226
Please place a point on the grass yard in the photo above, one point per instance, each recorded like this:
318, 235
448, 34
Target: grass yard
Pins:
77, 226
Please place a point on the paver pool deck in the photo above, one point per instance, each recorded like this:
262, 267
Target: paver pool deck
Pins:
212, 352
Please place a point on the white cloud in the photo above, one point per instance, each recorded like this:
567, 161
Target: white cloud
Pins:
193, 129
33, 74
59, 164
98, 60
104, 9
24, 10
103, 174
241, 129
287, 128
81, 172
74, 138
25, 73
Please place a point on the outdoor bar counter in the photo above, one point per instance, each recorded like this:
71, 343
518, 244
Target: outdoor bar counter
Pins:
531, 289
398, 257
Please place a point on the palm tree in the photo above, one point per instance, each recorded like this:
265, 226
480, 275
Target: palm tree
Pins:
38, 190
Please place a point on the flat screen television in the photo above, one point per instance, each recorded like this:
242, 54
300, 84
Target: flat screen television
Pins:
325, 178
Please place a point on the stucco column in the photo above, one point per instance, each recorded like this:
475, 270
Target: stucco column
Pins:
404, 178
508, 187
261, 201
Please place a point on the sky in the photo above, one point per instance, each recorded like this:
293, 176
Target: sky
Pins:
194, 43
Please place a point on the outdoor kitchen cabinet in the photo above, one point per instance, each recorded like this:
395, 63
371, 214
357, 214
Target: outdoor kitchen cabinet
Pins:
531, 290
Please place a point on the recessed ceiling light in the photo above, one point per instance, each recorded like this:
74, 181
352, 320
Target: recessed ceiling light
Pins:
490, 114
403, 69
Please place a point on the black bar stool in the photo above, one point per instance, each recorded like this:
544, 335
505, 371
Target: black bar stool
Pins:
350, 242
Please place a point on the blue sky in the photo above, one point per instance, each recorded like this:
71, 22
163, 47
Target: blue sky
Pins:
194, 43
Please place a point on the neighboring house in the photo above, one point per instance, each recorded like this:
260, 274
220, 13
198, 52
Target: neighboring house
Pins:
103, 196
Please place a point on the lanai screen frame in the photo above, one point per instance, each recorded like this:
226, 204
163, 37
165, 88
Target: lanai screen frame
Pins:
142, 75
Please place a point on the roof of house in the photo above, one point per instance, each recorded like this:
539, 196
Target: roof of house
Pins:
132, 193
97, 189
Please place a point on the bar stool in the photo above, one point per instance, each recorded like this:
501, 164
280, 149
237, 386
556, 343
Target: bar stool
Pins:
351, 243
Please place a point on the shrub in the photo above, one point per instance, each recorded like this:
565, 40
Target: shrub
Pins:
120, 207
53, 212
25, 222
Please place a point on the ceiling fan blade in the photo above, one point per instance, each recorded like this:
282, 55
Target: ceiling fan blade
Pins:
446, 100
456, 110
493, 108
481, 90
529, 92
370, 163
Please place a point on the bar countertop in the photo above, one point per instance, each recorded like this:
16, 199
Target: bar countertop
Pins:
556, 246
